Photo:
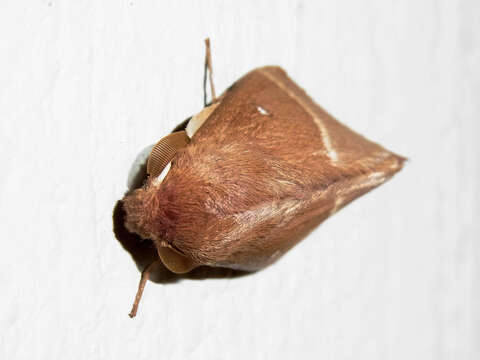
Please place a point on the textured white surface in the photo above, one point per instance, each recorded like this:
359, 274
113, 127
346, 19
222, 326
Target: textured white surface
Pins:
85, 85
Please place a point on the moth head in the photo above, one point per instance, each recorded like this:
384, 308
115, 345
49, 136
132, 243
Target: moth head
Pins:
143, 204
150, 210
147, 208
146, 215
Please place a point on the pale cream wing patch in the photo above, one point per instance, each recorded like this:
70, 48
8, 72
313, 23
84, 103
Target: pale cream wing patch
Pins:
197, 121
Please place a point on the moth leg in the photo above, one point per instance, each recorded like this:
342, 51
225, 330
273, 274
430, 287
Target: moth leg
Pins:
141, 286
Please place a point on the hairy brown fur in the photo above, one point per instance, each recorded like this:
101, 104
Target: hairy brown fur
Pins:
266, 167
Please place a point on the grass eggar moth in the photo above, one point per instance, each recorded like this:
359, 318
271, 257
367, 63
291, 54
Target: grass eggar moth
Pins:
250, 176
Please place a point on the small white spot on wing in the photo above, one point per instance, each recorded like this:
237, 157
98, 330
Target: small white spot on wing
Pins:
262, 111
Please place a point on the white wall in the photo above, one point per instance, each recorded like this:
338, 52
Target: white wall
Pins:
85, 85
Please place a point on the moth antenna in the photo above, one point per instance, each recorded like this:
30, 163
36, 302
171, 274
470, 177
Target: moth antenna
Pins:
208, 68
141, 286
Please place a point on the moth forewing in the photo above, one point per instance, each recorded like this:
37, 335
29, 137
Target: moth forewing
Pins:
251, 181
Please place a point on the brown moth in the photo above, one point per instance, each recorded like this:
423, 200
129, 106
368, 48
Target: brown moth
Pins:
250, 176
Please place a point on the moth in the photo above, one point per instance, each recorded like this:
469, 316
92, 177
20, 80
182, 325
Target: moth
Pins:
250, 176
